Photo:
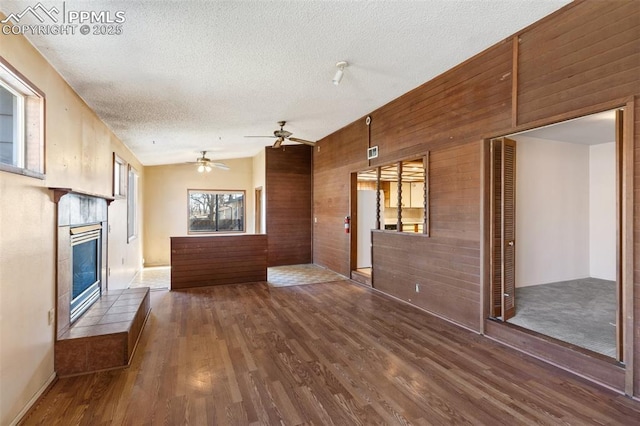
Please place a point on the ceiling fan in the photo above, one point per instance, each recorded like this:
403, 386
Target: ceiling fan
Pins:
282, 135
205, 164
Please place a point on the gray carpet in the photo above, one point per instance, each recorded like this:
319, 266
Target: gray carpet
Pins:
581, 312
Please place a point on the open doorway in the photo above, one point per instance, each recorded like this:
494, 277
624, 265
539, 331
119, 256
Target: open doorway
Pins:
258, 216
366, 219
556, 231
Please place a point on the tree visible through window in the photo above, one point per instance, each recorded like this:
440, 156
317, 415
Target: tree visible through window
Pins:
216, 211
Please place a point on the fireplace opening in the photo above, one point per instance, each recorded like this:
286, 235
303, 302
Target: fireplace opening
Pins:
86, 255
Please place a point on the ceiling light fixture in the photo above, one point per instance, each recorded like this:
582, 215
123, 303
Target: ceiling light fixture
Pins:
206, 165
204, 168
340, 72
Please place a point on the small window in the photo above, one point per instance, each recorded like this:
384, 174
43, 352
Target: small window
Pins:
119, 177
132, 205
404, 188
21, 124
216, 211
412, 195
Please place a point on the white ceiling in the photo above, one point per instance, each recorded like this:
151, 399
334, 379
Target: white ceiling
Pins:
187, 76
592, 129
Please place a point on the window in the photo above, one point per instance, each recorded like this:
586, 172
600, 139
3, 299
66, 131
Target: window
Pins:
404, 186
216, 211
132, 205
119, 177
21, 124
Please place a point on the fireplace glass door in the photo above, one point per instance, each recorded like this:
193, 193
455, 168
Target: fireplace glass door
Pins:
86, 271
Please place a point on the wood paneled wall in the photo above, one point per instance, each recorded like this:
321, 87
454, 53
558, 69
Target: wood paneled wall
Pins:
288, 204
445, 265
217, 260
584, 56
579, 60
334, 159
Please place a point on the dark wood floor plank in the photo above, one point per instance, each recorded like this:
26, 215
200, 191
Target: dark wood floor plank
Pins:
331, 353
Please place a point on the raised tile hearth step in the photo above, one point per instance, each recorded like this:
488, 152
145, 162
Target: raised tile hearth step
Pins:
106, 335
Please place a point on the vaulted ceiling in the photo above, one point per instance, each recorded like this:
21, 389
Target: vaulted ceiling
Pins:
188, 76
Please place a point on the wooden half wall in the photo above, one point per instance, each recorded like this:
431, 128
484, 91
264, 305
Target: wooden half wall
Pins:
216, 260
288, 204
583, 59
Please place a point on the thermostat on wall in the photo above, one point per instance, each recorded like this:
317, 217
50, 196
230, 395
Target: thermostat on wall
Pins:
372, 152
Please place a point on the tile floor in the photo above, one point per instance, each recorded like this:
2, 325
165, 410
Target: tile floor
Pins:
284, 276
159, 278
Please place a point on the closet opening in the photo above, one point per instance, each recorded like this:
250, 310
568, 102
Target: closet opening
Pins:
555, 238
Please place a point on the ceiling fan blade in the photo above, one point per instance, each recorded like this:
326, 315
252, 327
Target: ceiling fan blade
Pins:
270, 136
278, 143
220, 166
306, 142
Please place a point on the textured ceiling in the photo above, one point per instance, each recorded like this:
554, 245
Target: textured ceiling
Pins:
196, 75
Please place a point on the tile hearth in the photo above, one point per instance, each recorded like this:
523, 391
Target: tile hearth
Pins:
106, 335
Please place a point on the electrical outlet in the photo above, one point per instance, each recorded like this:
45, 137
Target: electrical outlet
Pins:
52, 315
417, 288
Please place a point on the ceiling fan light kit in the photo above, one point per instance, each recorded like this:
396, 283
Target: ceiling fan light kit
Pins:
206, 165
337, 78
202, 168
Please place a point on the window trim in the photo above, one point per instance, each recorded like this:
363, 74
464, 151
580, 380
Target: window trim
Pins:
132, 203
15, 81
121, 191
425, 157
218, 191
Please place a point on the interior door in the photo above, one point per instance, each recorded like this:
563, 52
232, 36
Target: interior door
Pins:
503, 227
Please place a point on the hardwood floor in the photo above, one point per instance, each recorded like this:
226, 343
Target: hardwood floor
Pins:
332, 353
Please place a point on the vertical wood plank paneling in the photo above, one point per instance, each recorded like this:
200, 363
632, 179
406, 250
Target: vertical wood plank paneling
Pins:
216, 260
288, 204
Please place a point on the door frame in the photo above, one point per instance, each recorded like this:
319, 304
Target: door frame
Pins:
567, 357
258, 211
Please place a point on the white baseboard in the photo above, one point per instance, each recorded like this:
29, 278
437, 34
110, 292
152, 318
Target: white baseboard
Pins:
33, 400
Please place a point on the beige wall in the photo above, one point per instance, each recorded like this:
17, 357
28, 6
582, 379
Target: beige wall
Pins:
79, 151
165, 200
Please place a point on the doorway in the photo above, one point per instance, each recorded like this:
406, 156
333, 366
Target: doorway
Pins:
555, 231
365, 219
259, 219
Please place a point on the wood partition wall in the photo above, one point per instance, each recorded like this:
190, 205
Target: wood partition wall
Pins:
288, 204
216, 260
583, 59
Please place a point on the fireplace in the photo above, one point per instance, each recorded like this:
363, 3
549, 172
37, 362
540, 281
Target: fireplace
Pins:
82, 254
85, 262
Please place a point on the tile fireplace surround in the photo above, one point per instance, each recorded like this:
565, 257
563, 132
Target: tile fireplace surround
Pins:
76, 210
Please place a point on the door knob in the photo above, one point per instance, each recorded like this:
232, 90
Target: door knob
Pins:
510, 243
